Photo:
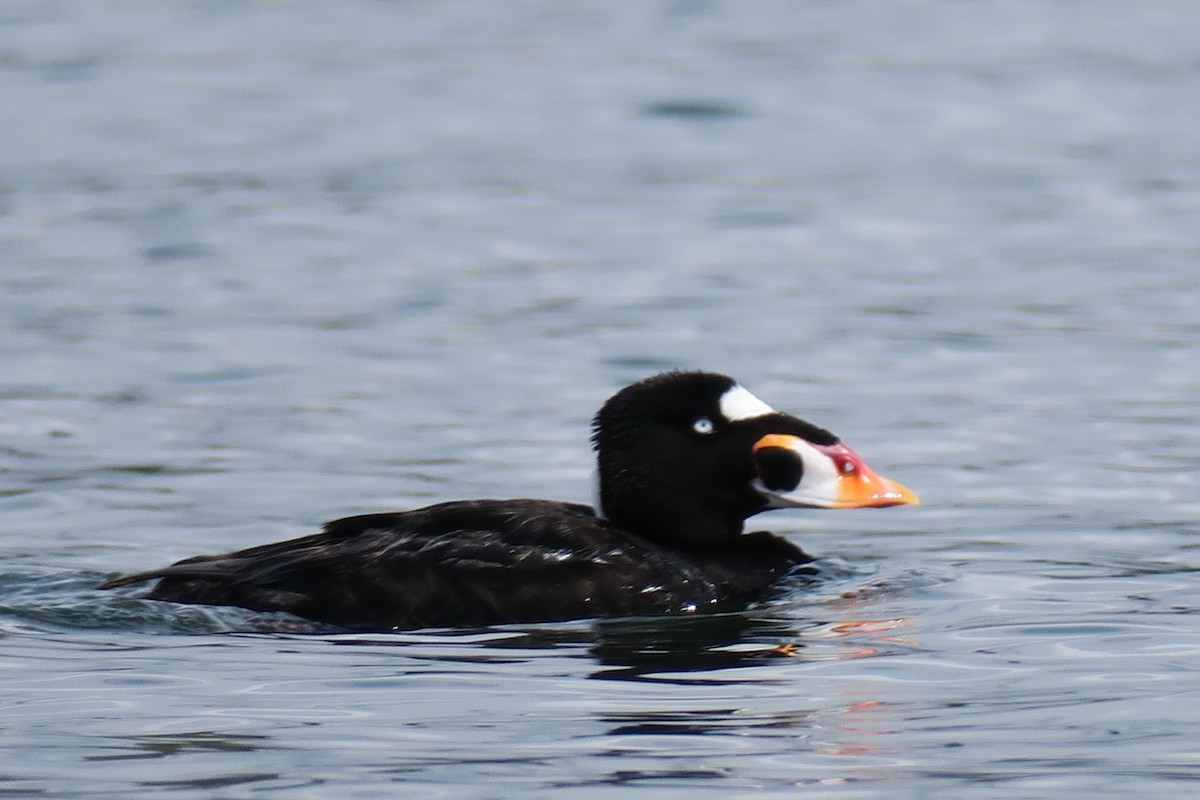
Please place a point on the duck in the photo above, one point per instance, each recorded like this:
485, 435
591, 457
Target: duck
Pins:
683, 459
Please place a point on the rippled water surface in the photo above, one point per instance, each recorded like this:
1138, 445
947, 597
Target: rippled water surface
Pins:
263, 265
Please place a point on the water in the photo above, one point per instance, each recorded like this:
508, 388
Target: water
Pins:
265, 265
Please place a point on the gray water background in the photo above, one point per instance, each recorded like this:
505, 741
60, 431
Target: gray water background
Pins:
266, 264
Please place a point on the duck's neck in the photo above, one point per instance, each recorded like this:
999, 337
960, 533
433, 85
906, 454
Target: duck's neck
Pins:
676, 523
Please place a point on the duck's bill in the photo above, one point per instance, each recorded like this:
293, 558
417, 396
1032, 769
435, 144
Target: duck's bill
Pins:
796, 472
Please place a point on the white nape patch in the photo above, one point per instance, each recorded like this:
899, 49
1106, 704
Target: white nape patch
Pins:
737, 404
599, 509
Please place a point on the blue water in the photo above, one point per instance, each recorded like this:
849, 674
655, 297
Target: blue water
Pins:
263, 265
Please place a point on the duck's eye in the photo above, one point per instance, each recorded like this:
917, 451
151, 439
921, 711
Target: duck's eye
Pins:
703, 426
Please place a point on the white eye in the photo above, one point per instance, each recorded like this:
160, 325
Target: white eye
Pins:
704, 426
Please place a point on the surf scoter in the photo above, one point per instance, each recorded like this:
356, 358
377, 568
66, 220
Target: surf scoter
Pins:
683, 459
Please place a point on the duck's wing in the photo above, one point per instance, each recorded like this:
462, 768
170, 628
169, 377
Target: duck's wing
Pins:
470, 562
226, 567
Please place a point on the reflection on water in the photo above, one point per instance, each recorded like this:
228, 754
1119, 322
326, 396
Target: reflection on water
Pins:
661, 649
170, 744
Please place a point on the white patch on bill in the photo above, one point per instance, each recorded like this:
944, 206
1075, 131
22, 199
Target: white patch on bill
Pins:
738, 404
818, 487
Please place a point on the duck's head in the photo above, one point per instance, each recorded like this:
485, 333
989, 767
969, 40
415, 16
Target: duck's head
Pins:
685, 457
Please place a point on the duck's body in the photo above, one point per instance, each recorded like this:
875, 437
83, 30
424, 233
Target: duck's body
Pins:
683, 460
476, 562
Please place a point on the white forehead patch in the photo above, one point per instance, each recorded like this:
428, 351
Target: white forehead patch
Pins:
738, 404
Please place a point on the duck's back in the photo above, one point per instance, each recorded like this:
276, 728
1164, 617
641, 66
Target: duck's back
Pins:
475, 562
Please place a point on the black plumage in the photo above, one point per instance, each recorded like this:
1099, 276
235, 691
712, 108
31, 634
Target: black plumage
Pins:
474, 562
